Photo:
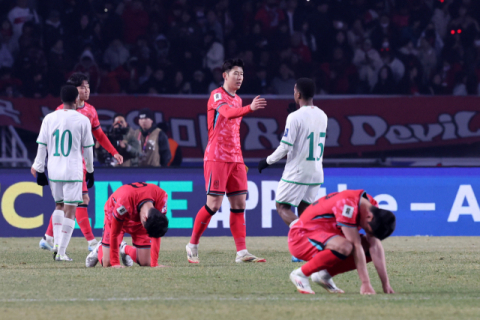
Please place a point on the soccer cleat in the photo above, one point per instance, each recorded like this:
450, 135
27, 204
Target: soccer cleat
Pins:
325, 280
248, 257
45, 244
92, 245
301, 282
64, 257
126, 259
294, 259
92, 258
192, 254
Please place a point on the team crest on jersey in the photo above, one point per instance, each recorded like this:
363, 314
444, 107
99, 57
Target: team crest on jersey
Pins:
347, 211
121, 210
217, 96
286, 132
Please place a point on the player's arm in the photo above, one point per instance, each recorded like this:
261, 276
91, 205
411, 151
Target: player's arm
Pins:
87, 144
378, 257
117, 225
154, 252
103, 139
231, 113
286, 144
39, 163
352, 235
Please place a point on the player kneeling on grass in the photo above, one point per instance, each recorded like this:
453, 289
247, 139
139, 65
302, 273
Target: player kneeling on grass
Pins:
138, 209
64, 133
327, 236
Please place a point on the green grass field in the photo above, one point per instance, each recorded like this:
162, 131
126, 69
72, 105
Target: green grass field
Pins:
435, 278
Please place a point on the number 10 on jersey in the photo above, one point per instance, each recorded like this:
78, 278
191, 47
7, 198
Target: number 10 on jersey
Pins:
312, 150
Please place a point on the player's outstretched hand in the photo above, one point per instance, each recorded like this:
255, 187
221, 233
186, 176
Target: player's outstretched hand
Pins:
387, 289
258, 103
90, 179
262, 165
367, 289
42, 179
118, 157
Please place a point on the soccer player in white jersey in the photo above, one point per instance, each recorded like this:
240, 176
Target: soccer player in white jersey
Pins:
303, 143
64, 133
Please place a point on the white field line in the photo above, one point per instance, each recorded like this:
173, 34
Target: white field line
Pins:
247, 298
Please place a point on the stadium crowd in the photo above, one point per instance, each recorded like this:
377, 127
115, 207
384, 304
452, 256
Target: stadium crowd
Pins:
178, 46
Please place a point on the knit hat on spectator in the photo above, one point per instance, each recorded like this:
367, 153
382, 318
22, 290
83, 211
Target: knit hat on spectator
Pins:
146, 113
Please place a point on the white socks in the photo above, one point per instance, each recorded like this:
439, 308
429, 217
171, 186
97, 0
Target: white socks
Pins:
67, 230
57, 222
193, 246
300, 273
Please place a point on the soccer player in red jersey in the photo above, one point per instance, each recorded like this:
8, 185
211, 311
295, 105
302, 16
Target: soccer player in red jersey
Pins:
327, 236
138, 209
80, 81
224, 169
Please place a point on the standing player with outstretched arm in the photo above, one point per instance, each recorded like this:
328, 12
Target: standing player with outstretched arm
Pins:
65, 133
303, 143
80, 81
224, 169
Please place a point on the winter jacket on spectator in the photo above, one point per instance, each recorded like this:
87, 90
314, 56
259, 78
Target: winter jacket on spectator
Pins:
270, 16
116, 54
368, 63
19, 15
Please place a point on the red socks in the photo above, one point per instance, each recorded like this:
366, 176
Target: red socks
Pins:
81, 215
100, 255
238, 228
323, 260
132, 252
50, 228
201, 223
345, 266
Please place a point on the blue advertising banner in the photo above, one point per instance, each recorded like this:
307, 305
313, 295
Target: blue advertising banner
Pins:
427, 201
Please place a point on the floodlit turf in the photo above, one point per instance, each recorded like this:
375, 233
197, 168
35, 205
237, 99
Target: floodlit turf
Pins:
435, 278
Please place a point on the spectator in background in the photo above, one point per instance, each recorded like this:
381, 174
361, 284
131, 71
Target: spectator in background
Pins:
6, 58
10, 87
156, 83
123, 138
59, 64
217, 80
89, 67
215, 54
112, 23
396, 66
53, 30
20, 14
299, 48
199, 83
180, 85
116, 54
435, 86
339, 76
386, 82
135, 20
427, 58
460, 88
213, 25
294, 16
270, 16
36, 86
175, 149
368, 63
6, 34
155, 149
285, 81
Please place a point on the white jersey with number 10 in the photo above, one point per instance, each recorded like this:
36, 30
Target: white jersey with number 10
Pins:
65, 132
305, 133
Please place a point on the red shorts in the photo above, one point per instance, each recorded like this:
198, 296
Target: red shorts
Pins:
140, 238
225, 177
84, 184
306, 240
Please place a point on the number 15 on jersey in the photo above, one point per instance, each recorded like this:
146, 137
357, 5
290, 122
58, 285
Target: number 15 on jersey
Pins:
315, 149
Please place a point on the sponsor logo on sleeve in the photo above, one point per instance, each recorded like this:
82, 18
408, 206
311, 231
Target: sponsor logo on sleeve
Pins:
347, 211
217, 96
121, 210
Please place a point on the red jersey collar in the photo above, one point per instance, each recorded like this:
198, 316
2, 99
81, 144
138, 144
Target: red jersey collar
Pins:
231, 95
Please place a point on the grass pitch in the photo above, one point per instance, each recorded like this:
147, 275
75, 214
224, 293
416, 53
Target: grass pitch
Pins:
435, 278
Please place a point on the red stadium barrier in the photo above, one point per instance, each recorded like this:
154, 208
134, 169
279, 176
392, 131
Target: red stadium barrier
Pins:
355, 124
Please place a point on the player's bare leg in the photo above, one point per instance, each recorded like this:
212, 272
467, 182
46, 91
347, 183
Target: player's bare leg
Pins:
285, 212
202, 220
143, 257
239, 229
66, 232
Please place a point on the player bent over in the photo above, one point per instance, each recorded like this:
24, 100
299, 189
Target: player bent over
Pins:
64, 133
80, 81
327, 236
138, 209
224, 169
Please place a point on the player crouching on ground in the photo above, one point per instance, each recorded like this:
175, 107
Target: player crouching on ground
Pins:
138, 209
326, 235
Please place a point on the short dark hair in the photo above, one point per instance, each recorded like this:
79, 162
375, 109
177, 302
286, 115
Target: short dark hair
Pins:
383, 223
156, 224
69, 94
77, 79
306, 87
230, 63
